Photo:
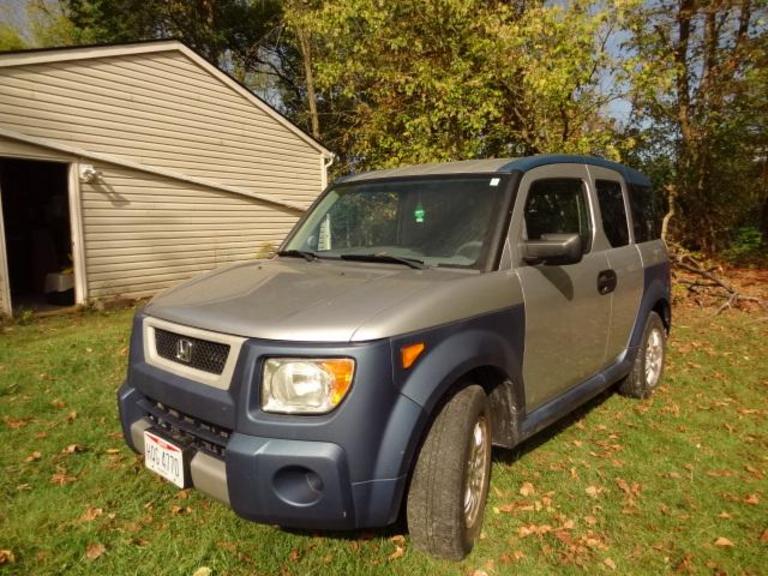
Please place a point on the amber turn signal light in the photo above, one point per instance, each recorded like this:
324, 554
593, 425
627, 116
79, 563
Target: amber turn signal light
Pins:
409, 354
342, 369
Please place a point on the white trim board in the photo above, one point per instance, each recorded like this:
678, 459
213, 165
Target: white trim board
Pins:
126, 163
6, 307
76, 233
25, 58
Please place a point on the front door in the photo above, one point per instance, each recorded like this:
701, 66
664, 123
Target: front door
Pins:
566, 317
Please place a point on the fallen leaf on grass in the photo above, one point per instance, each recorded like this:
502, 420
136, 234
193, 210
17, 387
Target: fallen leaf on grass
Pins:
14, 423
721, 473
752, 499
202, 571
72, 415
34, 457
7, 557
91, 514
57, 404
398, 540
574, 473
633, 490
764, 536
594, 491
684, 565
723, 542
94, 551
568, 524
610, 563
479, 572
398, 553
61, 478
724, 516
524, 531
527, 489
514, 557
73, 448
229, 546
591, 541
754, 471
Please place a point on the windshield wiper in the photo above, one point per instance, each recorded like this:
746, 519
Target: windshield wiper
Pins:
306, 254
411, 262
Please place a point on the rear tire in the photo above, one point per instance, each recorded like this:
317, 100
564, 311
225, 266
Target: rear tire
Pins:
449, 486
648, 369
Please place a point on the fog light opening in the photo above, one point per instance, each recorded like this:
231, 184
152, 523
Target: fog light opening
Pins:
298, 486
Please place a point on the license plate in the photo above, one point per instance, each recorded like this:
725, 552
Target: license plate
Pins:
164, 458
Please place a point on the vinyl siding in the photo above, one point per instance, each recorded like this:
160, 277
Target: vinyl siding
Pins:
145, 233
164, 110
13, 149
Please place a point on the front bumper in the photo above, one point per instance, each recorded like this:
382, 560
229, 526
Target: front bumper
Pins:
286, 482
301, 482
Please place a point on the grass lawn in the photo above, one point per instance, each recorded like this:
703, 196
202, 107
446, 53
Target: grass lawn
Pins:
673, 484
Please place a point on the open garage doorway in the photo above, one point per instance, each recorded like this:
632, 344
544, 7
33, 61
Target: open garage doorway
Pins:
37, 234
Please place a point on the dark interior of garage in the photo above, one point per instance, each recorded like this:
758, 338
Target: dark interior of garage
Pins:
37, 233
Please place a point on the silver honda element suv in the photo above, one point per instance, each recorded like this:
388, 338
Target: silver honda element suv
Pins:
412, 319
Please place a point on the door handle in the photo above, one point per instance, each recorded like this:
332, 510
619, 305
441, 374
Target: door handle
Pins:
606, 282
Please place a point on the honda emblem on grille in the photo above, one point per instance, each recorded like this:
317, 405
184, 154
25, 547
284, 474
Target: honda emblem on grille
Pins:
184, 350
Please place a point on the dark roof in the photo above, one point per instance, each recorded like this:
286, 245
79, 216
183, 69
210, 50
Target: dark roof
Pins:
500, 166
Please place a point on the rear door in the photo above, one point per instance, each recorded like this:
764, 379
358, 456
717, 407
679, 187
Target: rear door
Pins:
566, 317
614, 236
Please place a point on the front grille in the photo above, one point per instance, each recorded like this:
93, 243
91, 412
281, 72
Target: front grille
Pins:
200, 354
202, 434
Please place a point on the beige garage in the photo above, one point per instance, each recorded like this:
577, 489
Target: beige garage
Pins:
125, 169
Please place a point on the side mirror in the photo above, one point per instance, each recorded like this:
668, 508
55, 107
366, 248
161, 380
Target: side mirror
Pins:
554, 249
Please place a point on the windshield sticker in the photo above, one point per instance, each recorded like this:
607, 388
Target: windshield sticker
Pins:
495, 181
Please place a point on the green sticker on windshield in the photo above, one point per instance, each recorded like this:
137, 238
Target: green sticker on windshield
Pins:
419, 213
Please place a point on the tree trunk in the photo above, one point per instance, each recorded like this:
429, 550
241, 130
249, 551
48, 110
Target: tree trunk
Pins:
671, 203
309, 79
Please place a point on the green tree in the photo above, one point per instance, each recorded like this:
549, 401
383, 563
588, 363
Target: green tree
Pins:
9, 38
230, 33
415, 81
697, 76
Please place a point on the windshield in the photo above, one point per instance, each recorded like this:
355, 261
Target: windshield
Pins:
441, 221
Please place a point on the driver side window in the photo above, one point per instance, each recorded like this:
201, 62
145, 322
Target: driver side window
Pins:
558, 206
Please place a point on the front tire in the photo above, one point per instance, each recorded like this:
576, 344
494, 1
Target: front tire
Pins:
648, 368
449, 487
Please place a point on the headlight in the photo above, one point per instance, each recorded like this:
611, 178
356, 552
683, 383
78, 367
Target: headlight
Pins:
305, 385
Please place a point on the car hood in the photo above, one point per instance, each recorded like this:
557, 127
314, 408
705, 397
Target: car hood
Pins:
321, 301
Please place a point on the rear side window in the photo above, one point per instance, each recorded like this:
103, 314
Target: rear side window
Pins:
647, 211
558, 206
613, 211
